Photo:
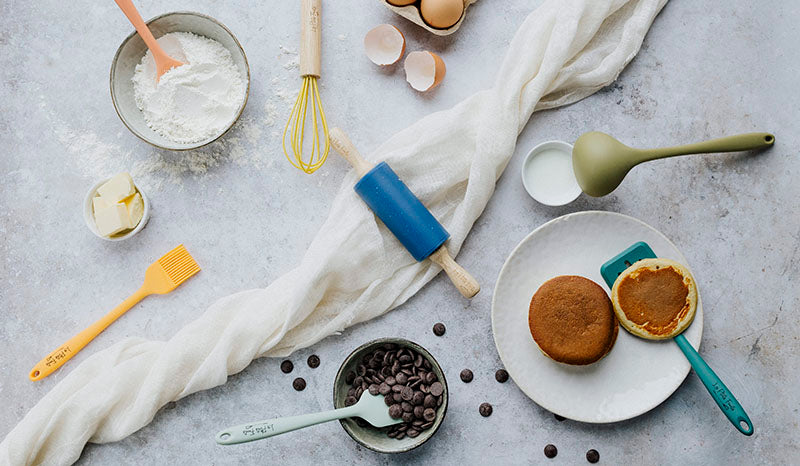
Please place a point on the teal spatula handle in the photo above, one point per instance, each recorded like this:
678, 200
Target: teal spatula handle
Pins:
264, 429
724, 398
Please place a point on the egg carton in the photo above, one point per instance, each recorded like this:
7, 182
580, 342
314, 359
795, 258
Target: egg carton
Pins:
411, 12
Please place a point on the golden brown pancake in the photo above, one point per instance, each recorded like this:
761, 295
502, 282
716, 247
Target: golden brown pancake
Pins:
655, 298
572, 320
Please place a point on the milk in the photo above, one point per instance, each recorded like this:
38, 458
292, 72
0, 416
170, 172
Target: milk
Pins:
549, 178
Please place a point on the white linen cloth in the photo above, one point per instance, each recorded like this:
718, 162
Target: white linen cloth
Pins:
354, 269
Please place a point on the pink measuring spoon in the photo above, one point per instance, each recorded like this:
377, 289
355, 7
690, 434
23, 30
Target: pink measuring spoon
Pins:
164, 62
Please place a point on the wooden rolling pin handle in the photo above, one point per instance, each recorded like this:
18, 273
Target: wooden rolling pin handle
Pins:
310, 37
345, 147
463, 281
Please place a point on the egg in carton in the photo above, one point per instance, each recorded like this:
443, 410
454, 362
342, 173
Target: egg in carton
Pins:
441, 17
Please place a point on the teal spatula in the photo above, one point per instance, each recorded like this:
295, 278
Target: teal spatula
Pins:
724, 398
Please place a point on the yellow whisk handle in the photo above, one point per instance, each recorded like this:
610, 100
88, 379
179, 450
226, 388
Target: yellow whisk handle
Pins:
310, 37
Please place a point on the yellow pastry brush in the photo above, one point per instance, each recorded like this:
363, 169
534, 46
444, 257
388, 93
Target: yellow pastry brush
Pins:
163, 276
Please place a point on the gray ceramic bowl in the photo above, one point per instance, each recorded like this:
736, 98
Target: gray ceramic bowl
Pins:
371, 437
130, 54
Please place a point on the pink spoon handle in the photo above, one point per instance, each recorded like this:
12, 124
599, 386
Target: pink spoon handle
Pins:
163, 61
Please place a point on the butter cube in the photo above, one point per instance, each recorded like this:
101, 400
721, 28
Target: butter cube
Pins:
112, 220
117, 188
135, 207
98, 204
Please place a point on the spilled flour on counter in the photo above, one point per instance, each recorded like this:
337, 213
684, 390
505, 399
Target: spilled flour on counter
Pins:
193, 102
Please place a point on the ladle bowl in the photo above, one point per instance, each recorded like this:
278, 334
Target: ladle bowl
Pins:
600, 162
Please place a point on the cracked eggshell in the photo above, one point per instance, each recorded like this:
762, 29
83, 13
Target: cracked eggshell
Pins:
424, 70
384, 44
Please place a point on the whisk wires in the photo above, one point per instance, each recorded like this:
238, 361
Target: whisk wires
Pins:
297, 122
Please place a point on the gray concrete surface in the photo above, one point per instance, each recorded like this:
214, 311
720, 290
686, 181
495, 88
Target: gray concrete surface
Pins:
706, 69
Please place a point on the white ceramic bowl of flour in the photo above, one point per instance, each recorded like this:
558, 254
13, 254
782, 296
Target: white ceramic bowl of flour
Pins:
547, 174
130, 54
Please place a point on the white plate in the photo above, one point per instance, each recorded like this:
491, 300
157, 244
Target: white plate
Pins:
637, 375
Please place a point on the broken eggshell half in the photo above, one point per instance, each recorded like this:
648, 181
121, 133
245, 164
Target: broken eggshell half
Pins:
424, 70
384, 44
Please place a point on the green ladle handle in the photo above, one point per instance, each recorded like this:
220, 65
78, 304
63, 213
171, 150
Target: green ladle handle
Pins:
264, 429
739, 142
724, 398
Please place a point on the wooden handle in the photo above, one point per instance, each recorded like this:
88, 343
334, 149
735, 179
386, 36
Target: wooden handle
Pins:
310, 37
65, 352
464, 282
342, 144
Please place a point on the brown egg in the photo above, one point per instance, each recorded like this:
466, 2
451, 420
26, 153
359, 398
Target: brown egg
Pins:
441, 14
400, 2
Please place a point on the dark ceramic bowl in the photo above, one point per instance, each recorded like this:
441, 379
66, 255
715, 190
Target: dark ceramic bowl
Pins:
371, 437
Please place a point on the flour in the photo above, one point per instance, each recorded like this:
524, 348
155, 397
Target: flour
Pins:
193, 102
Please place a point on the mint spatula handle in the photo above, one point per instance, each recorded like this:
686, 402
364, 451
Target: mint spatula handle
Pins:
264, 429
724, 398
739, 142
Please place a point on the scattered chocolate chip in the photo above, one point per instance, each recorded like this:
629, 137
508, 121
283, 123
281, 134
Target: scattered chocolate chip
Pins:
559, 418
439, 329
592, 456
287, 366
485, 409
501, 375
466, 376
550, 450
299, 384
313, 361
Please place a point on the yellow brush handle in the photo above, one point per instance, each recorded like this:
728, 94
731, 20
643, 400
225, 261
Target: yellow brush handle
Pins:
65, 352
310, 37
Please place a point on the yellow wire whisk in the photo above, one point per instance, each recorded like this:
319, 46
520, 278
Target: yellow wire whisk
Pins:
310, 47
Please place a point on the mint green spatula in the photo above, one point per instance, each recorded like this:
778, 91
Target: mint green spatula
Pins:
724, 398
370, 408
600, 162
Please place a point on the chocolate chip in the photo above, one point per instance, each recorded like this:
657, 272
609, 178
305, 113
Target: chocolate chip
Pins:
418, 361
550, 450
427, 364
349, 378
350, 401
404, 359
384, 389
439, 329
397, 388
287, 366
466, 376
419, 397
362, 370
401, 435
429, 402
299, 384
408, 393
436, 389
431, 378
419, 411
501, 375
426, 426
439, 401
592, 456
412, 432
359, 391
373, 389
429, 414
390, 380
407, 407
402, 378
558, 418
485, 409
392, 434
313, 361
358, 381
395, 411
388, 400
408, 417
397, 397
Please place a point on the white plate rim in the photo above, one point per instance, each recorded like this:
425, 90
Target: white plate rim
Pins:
698, 321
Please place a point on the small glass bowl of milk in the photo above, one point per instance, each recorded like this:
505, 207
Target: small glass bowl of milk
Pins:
547, 174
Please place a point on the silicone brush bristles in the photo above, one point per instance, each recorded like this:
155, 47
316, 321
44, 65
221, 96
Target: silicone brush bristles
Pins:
179, 265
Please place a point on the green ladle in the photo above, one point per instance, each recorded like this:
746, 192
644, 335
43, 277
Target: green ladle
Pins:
600, 162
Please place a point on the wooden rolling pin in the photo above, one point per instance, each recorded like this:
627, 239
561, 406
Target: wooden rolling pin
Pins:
405, 216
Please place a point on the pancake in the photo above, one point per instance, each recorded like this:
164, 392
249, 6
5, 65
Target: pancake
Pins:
655, 298
572, 320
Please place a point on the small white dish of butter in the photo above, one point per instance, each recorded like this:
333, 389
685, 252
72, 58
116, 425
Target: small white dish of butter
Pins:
115, 209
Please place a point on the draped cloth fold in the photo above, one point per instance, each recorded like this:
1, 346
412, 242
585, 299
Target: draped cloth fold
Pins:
354, 270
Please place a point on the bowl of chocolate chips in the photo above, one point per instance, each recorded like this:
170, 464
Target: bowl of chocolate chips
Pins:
411, 383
